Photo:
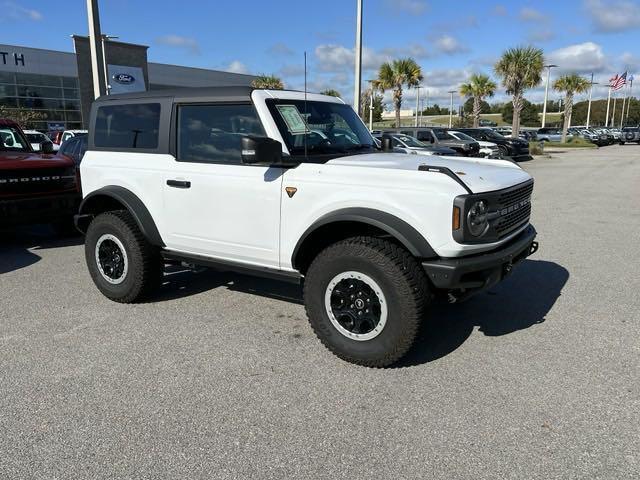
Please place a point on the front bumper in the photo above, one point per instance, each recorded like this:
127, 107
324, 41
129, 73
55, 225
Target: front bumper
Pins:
471, 274
38, 209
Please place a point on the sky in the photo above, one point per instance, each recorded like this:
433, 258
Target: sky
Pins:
250, 36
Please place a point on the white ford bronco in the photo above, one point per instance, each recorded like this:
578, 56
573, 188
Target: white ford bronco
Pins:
284, 184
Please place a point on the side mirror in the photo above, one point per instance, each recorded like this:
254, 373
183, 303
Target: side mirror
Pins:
46, 147
386, 142
263, 151
8, 141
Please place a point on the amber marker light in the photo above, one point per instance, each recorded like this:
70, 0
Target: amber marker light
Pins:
456, 218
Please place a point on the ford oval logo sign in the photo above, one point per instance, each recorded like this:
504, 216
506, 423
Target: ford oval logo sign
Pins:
124, 78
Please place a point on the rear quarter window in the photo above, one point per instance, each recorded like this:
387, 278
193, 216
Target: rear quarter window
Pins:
134, 126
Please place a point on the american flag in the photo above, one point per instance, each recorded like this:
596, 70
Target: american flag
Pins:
618, 81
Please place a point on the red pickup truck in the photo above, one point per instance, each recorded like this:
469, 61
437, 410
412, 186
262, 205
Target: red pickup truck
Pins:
35, 187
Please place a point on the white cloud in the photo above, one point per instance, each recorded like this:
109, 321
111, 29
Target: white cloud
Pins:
413, 7
613, 16
581, 58
338, 58
236, 67
531, 15
449, 45
630, 62
14, 11
177, 41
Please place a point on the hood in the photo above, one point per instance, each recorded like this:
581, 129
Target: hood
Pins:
479, 174
28, 160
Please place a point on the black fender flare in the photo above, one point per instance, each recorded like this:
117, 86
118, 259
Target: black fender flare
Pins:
408, 236
131, 203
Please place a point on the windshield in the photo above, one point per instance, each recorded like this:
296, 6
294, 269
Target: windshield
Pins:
11, 140
410, 141
329, 127
463, 136
442, 135
36, 137
493, 135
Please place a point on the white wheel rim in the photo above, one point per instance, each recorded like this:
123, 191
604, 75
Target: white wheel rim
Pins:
375, 289
122, 252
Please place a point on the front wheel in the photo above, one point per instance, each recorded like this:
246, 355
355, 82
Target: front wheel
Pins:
365, 298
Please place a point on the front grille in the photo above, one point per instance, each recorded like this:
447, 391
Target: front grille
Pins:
514, 207
22, 182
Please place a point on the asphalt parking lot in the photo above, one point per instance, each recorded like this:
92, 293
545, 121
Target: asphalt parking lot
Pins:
221, 377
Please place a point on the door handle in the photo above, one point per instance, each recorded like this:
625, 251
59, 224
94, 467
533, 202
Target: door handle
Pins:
179, 183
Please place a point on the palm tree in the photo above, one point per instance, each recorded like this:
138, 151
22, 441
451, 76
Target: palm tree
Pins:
520, 69
331, 92
478, 87
570, 85
394, 76
270, 82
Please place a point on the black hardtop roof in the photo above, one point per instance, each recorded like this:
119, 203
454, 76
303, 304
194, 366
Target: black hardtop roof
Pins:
186, 92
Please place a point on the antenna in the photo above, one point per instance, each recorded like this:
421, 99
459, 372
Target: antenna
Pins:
306, 125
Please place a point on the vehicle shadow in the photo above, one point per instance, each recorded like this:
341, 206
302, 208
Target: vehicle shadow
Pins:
519, 302
18, 245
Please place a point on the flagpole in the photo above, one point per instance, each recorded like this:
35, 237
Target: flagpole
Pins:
624, 101
606, 118
629, 102
589, 108
613, 115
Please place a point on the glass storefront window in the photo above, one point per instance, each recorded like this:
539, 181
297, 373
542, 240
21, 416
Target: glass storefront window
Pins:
56, 98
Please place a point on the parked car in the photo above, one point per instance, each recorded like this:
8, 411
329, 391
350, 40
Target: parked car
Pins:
604, 134
35, 187
440, 137
60, 137
549, 134
36, 139
513, 148
630, 134
504, 130
413, 146
487, 123
487, 149
616, 132
231, 178
528, 135
74, 148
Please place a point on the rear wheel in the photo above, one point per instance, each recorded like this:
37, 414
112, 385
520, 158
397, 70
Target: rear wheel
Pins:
503, 151
365, 299
122, 263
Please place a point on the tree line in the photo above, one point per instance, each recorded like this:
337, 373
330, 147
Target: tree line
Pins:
518, 69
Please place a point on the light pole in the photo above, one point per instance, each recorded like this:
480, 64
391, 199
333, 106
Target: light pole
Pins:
95, 47
451, 92
417, 104
370, 105
104, 61
592, 83
606, 120
546, 94
358, 73
629, 102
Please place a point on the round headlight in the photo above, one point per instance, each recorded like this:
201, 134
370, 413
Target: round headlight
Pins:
477, 221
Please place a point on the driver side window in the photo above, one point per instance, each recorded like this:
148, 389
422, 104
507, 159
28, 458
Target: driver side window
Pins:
213, 133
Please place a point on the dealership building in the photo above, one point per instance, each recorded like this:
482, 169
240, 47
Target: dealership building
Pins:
59, 85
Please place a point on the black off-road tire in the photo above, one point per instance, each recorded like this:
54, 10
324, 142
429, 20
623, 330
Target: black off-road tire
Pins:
504, 152
145, 266
403, 284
